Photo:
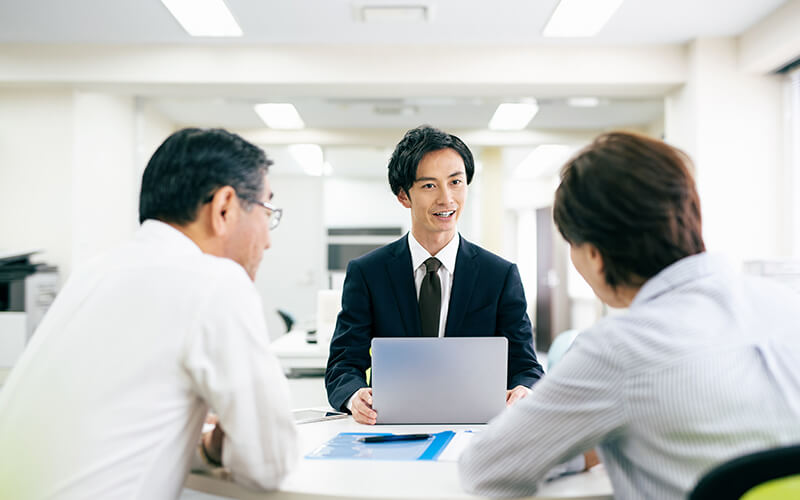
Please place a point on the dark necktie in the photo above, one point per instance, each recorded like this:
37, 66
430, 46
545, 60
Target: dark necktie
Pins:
430, 298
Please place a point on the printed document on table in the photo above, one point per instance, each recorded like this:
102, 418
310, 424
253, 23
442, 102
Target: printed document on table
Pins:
348, 445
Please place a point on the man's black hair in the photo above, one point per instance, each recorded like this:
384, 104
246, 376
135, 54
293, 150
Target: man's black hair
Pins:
191, 165
417, 143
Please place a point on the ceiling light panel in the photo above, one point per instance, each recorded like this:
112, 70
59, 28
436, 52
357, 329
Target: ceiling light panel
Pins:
206, 18
580, 18
513, 116
280, 115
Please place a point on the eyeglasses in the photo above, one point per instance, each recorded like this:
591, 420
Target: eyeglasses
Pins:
274, 213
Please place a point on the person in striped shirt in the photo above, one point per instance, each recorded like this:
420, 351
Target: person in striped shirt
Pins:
703, 366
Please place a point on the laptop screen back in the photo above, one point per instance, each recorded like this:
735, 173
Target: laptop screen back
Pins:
449, 380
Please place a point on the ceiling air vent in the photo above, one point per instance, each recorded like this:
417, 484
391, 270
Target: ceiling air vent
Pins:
393, 13
394, 110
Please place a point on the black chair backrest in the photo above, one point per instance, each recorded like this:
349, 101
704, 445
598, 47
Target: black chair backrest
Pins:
287, 318
732, 479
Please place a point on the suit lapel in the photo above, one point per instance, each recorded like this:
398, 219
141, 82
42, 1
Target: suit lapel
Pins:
464, 280
401, 276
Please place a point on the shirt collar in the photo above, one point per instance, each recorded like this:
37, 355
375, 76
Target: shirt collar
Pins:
679, 273
178, 242
447, 255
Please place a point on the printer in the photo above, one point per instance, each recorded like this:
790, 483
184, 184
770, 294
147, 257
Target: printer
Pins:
26, 292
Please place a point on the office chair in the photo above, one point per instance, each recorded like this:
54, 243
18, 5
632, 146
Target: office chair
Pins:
773, 474
560, 346
287, 318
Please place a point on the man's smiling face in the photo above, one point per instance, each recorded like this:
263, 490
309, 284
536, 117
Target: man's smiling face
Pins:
438, 194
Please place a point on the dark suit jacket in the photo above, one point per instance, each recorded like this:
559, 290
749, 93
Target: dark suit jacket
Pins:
379, 299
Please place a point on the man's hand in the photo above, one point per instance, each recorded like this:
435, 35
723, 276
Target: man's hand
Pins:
362, 407
591, 459
515, 394
212, 444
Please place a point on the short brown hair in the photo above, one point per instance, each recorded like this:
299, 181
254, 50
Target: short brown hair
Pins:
635, 200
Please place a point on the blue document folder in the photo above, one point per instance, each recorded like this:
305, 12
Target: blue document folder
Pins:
346, 445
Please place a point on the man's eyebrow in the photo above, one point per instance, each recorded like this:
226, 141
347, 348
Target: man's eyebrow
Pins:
454, 174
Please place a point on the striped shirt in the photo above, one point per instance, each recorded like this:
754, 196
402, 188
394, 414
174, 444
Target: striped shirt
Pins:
704, 366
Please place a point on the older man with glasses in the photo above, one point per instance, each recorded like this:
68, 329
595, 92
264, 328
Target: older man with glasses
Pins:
109, 398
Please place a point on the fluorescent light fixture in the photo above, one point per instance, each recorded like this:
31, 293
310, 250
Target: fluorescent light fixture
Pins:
513, 115
395, 13
280, 115
309, 156
580, 18
583, 102
204, 17
542, 162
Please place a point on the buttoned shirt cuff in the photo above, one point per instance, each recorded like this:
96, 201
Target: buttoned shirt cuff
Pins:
350, 402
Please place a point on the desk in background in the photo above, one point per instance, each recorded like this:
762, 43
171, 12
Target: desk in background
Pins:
298, 357
304, 364
385, 480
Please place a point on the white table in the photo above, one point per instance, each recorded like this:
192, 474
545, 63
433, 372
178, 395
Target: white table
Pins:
298, 357
331, 479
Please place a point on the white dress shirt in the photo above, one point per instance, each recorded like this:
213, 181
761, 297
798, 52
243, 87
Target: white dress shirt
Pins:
704, 366
447, 256
109, 397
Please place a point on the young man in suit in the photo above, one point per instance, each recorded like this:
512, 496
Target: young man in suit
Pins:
431, 282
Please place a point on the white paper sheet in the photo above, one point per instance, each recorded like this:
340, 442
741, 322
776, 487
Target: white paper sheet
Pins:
457, 445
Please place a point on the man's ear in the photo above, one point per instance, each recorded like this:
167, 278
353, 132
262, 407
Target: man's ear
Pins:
596, 260
224, 210
403, 198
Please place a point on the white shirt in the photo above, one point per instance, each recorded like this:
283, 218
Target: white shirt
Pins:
447, 256
704, 366
109, 398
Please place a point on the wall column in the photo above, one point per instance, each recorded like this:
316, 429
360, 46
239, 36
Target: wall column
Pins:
730, 123
492, 207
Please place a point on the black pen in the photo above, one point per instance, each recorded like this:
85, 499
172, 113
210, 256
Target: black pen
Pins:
393, 437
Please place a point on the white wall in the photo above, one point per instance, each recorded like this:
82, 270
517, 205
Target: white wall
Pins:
730, 122
352, 202
376, 71
36, 149
293, 268
104, 178
69, 177
151, 129
792, 124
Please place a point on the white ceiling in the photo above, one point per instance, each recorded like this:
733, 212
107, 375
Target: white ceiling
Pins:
403, 113
336, 22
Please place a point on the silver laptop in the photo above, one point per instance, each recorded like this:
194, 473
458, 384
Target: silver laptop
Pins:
449, 380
